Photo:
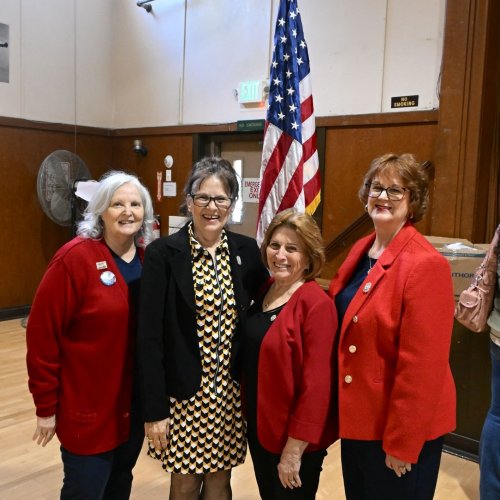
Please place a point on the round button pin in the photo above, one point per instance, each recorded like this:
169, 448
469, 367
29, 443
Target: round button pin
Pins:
108, 278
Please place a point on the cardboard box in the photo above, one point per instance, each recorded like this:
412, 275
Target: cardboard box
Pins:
463, 256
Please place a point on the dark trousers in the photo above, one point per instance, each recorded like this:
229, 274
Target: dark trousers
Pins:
489, 445
265, 465
105, 475
366, 477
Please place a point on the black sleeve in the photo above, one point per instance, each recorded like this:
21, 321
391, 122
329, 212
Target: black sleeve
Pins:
150, 339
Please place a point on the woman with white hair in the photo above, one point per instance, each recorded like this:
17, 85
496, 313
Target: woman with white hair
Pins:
81, 337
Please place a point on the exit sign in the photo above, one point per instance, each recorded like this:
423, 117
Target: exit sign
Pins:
251, 91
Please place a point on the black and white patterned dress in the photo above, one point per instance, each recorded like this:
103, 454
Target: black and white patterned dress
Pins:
207, 431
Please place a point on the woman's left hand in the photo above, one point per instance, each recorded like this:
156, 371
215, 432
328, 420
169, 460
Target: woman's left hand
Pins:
398, 466
289, 466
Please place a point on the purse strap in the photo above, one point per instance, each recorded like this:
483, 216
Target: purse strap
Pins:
494, 245
490, 261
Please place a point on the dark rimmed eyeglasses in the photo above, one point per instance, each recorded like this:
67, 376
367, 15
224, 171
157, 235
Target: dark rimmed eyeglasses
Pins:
394, 193
203, 200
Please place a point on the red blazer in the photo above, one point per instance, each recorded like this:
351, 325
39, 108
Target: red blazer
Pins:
80, 349
395, 382
295, 387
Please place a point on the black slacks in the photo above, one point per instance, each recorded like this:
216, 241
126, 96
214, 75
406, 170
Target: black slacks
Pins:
265, 465
366, 477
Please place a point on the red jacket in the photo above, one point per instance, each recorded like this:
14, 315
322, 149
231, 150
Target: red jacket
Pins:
80, 349
395, 382
295, 391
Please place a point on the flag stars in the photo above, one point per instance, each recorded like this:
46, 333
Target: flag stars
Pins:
286, 57
294, 33
283, 39
281, 21
295, 125
290, 90
292, 108
300, 61
288, 73
281, 116
277, 82
303, 44
293, 15
278, 98
274, 64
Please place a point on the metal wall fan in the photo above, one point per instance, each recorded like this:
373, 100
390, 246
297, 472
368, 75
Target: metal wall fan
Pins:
61, 174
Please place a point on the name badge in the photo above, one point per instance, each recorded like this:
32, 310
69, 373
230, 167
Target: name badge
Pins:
101, 265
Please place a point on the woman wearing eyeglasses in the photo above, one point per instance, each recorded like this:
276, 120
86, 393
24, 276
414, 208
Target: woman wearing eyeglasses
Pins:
195, 289
395, 305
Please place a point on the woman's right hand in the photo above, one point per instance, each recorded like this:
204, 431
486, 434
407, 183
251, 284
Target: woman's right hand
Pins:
399, 467
157, 433
45, 429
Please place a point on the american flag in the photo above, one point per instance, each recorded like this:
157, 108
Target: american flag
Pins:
289, 175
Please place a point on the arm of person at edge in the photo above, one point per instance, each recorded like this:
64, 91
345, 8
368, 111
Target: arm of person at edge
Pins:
424, 277
318, 335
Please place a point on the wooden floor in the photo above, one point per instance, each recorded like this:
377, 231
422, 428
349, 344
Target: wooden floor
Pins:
30, 472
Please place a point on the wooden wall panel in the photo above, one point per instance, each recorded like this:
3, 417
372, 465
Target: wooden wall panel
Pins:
349, 151
467, 115
180, 147
29, 237
351, 143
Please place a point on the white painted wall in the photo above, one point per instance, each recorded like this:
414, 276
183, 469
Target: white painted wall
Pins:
108, 63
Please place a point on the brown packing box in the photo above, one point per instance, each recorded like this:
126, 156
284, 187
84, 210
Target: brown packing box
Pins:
463, 256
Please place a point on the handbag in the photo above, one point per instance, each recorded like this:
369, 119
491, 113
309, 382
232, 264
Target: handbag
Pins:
476, 302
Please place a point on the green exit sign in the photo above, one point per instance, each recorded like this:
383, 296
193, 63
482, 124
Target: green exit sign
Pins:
251, 91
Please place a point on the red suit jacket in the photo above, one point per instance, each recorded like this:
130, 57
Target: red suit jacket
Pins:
80, 349
295, 388
395, 382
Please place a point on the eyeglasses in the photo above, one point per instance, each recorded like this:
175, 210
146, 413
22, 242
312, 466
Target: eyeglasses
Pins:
394, 193
203, 200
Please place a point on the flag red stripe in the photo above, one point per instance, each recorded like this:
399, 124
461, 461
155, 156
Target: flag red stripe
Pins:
309, 147
273, 167
312, 187
294, 188
306, 108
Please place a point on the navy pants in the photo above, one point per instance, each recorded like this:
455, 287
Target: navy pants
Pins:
265, 465
366, 477
106, 476
489, 444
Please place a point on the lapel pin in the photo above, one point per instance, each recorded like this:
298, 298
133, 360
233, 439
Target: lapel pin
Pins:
367, 287
238, 260
101, 265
